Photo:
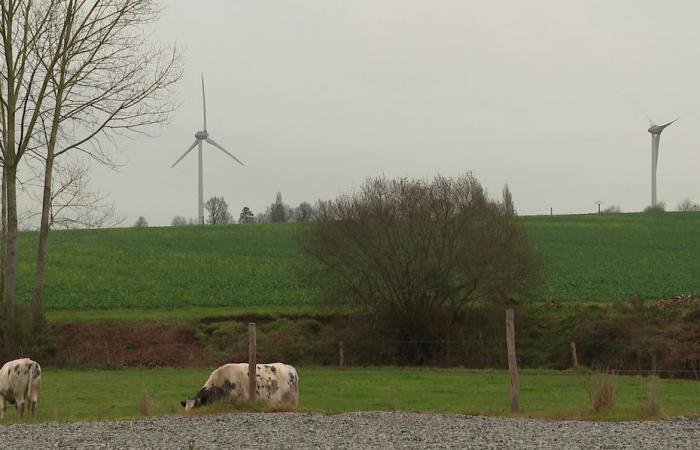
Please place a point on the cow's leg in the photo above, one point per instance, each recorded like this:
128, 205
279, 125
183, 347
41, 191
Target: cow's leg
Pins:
2, 407
32, 407
20, 407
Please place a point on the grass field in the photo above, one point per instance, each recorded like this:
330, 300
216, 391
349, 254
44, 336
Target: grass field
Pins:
617, 256
115, 394
252, 267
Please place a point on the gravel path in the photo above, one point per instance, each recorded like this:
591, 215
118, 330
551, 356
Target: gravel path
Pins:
367, 430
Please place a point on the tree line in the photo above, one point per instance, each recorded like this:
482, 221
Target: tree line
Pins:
277, 212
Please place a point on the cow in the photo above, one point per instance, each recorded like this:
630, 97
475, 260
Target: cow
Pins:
20, 381
277, 384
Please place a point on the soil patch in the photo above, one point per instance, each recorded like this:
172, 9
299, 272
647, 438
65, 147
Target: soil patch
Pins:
106, 343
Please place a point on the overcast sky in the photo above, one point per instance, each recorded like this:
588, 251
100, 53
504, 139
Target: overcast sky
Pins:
316, 95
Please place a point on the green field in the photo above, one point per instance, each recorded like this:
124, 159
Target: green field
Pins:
585, 258
617, 256
115, 394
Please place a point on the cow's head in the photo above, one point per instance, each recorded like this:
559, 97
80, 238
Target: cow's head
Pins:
201, 399
206, 396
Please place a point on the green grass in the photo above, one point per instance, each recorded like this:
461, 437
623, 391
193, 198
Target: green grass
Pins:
173, 267
617, 256
135, 271
114, 394
187, 314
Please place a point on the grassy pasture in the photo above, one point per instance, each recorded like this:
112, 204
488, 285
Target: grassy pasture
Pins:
70, 395
252, 267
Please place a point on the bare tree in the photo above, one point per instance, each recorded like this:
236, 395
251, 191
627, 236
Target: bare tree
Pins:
141, 222
304, 212
77, 73
73, 203
179, 221
687, 205
218, 211
416, 253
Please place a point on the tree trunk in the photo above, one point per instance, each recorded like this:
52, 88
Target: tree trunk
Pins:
3, 236
41, 259
3, 227
10, 262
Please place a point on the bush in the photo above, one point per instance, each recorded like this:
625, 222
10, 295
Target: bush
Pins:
614, 209
602, 391
415, 253
658, 208
687, 205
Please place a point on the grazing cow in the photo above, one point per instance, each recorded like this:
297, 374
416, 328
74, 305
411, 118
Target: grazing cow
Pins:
20, 381
277, 383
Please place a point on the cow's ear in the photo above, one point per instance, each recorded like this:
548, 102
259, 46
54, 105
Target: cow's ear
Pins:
183, 403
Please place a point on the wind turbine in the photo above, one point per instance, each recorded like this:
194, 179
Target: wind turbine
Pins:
200, 136
655, 131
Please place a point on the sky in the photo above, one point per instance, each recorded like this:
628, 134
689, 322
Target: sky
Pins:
315, 96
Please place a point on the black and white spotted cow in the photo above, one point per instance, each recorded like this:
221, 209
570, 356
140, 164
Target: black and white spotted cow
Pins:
277, 383
20, 382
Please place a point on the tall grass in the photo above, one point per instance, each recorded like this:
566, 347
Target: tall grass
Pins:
650, 405
602, 391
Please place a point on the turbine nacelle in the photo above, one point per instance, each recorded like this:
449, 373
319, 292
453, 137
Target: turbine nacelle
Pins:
201, 135
657, 129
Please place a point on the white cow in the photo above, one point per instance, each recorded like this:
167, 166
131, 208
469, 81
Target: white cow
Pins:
277, 383
20, 381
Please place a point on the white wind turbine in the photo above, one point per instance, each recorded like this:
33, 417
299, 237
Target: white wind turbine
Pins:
200, 136
655, 131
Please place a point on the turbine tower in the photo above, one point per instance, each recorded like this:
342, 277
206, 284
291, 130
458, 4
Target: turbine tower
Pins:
655, 131
200, 136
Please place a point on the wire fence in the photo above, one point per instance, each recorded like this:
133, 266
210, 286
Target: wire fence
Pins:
491, 353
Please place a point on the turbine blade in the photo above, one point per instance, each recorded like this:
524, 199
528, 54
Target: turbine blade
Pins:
189, 149
664, 126
204, 104
212, 142
639, 107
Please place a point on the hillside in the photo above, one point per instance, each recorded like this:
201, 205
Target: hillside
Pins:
617, 256
585, 258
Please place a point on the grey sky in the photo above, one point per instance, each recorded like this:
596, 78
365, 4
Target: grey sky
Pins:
315, 96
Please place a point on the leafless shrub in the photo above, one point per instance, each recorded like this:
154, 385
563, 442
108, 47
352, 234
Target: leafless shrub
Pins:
613, 209
417, 252
687, 205
658, 208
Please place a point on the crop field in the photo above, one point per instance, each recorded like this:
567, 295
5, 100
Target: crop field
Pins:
246, 267
205, 266
69, 395
617, 256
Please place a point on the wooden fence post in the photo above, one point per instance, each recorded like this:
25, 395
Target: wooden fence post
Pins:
574, 356
252, 363
341, 354
512, 362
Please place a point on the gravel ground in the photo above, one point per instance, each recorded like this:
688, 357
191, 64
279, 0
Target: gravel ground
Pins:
367, 430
